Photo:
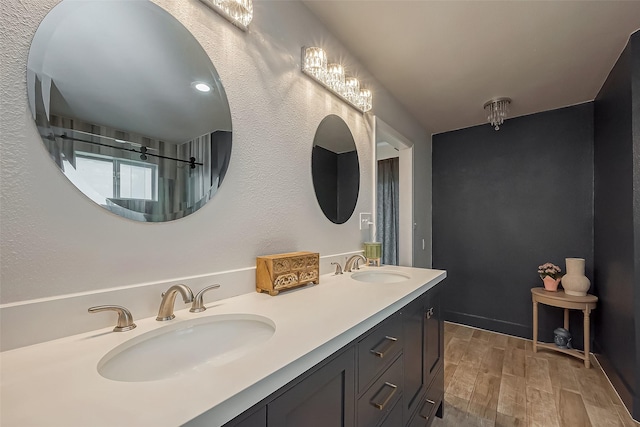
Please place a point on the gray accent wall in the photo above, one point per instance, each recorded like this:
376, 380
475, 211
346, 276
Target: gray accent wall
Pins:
635, 102
617, 224
505, 202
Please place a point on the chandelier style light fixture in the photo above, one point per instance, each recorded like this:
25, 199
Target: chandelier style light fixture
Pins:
332, 77
497, 110
238, 12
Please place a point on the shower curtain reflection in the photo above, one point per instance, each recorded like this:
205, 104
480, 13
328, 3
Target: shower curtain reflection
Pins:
387, 215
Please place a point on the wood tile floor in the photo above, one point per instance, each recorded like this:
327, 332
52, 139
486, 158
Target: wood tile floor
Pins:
497, 380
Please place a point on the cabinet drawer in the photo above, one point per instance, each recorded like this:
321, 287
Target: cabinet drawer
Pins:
427, 409
395, 417
425, 414
381, 397
417, 421
378, 350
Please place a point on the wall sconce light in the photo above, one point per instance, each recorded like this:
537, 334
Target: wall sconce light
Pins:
332, 77
238, 12
497, 110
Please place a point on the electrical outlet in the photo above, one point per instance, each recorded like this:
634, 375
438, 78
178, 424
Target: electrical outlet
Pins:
365, 219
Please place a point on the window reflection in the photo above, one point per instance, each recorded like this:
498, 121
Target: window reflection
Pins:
118, 178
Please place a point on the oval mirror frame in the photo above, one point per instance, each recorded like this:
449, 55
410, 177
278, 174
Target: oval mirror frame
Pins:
335, 169
130, 107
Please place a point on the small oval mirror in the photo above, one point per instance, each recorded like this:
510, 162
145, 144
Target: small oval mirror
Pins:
335, 169
130, 107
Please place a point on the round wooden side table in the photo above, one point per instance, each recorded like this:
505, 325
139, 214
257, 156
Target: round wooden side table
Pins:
568, 302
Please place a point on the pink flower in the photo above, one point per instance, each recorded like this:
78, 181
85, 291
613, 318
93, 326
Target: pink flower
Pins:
549, 269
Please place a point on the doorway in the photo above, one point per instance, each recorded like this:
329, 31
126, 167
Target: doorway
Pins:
393, 190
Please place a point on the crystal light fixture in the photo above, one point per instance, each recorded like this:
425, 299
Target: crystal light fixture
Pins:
351, 89
238, 12
335, 77
497, 110
315, 61
332, 77
365, 100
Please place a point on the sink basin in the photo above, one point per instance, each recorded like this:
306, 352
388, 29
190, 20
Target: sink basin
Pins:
380, 276
184, 346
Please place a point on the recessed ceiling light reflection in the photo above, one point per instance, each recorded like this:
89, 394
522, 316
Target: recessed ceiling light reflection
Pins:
202, 87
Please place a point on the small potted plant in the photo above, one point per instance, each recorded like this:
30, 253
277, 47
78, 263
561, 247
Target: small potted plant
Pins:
550, 275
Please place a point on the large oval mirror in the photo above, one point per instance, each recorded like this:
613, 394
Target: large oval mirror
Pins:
130, 107
335, 169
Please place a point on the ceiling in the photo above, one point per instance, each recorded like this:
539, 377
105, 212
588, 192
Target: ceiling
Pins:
444, 59
334, 135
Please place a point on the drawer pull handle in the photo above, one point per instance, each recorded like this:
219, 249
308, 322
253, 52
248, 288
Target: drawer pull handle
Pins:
430, 313
386, 400
384, 347
431, 405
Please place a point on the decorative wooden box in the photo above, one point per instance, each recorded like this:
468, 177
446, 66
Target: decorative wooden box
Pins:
275, 273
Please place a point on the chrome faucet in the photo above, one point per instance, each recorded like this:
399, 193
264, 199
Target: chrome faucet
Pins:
352, 262
169, 299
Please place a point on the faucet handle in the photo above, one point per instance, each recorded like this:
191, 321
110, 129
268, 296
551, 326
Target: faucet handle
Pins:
125, 319
198, 304
338, 268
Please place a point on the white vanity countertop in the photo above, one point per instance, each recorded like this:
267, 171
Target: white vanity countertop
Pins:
56, 383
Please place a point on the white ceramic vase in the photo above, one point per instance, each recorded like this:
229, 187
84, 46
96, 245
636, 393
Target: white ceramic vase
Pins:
575, 282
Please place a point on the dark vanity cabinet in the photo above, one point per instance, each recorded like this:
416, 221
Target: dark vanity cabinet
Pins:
251, 418
324, 398
434, 337
413, 332
423, 331
391, 376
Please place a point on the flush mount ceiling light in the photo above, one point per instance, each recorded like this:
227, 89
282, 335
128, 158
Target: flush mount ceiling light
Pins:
332, 77
238, 12
497, 110
202, 87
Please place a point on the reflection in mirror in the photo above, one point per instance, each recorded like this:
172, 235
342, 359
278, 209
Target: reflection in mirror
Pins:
388, 197
130, 107
335, 169
394, 195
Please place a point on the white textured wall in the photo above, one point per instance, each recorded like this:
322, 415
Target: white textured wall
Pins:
55, 241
